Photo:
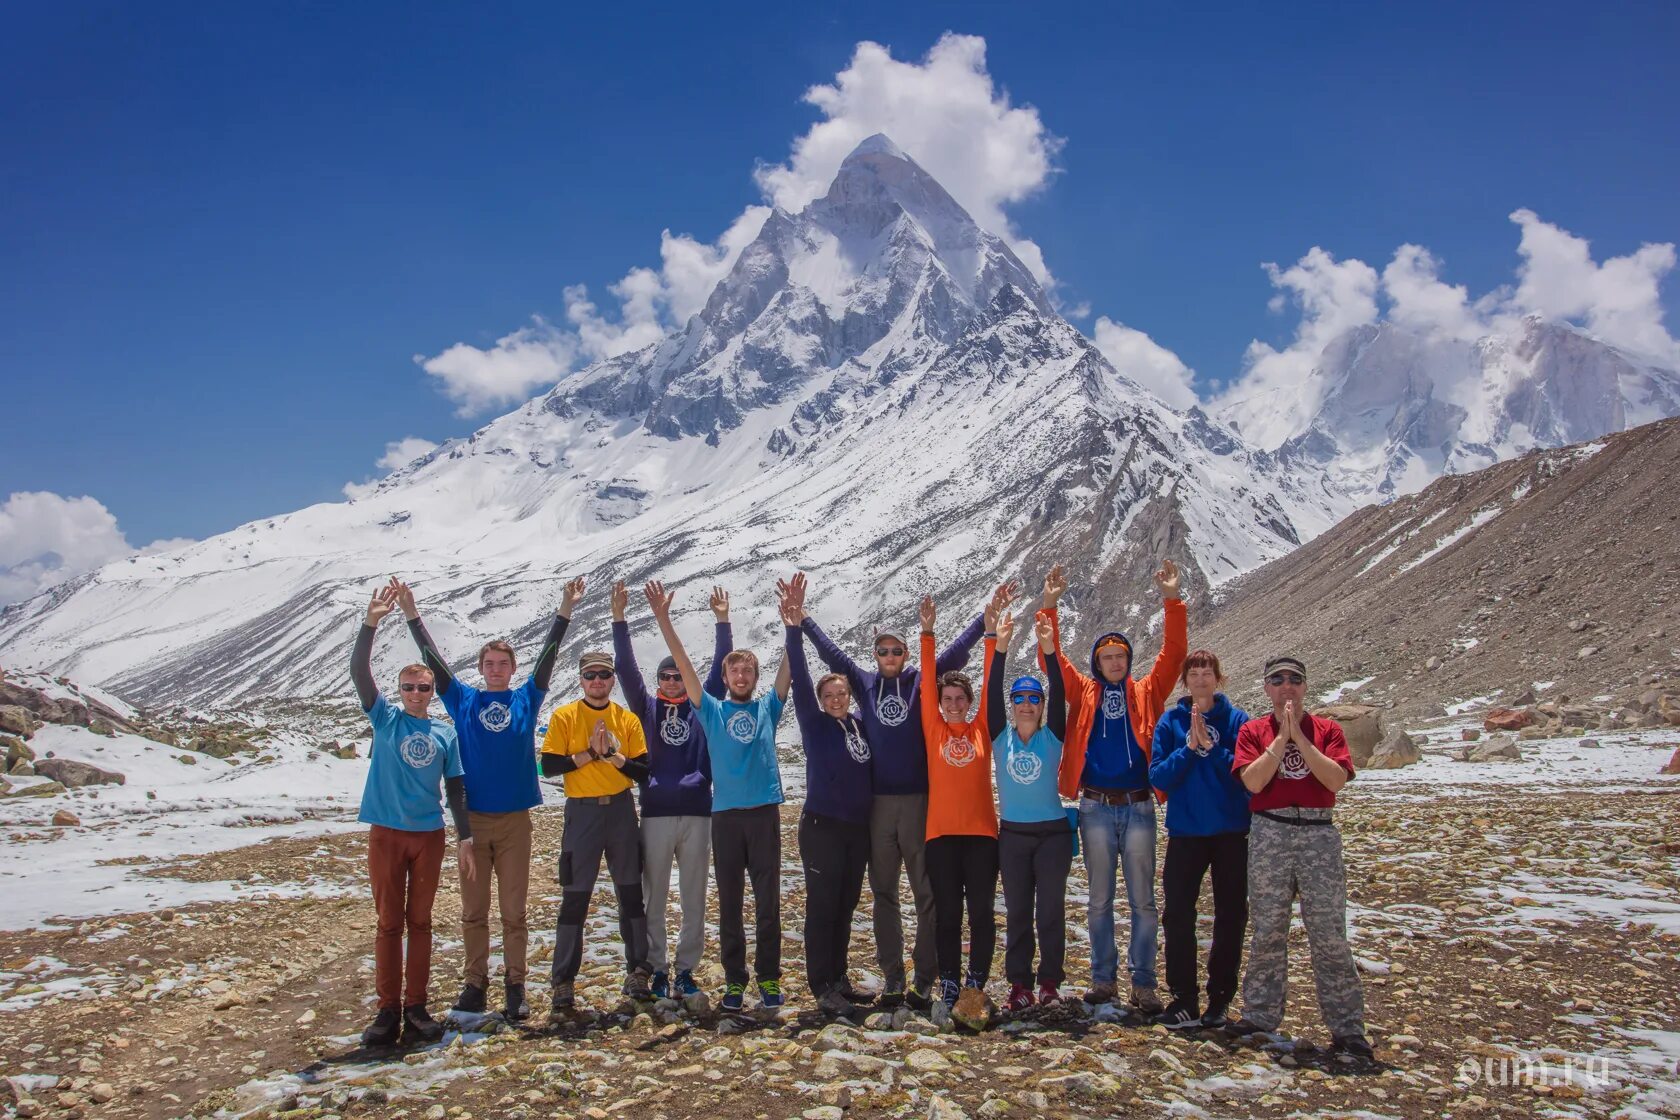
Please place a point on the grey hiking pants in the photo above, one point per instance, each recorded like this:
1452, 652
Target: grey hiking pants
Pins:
688, 842
1286, 860
898, 840
594, 827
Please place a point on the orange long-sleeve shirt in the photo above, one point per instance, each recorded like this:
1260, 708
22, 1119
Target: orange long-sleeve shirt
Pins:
959, 759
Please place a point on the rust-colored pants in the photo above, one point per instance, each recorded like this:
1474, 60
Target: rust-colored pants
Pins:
502, 850
403, 868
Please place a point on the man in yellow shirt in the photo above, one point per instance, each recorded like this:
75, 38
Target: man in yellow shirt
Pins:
598, 749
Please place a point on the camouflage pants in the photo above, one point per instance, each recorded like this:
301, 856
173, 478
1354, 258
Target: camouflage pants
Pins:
1286, 860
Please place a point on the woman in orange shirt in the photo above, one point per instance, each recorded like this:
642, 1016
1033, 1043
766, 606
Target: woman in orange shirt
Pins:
962, 824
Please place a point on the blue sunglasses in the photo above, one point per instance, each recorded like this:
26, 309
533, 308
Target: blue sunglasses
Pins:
1026, 698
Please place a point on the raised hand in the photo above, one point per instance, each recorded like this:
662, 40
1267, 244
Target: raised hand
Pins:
405, 598
1005, 630
659, 600
719, 603
928, 613
1006, 593
1167, 580
570, 597
619, 600
1055, 586
792, 613
384, 601
1045, 631
790, 596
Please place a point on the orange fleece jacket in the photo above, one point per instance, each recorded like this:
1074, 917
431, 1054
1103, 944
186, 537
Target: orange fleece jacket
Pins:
959, 759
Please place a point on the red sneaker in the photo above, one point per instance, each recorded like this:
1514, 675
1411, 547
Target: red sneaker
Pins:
1020, 998
1047, 994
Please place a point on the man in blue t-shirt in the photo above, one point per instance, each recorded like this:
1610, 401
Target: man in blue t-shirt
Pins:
497, 725
746, 818
410, 758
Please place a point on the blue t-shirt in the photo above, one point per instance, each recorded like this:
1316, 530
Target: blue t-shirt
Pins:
1026, 776
741, 739
408, 762
1113, 758
498, 733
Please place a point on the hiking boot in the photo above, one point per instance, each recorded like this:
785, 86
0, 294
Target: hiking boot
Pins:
471, 1000
770, 994
685, 985
1214, 1017
1101, 993
1180, 1015
892, 995
419, 1026
919, 997
384, 1029
1048, 994
732, 997
1242, 1028
562, 997
1020, 998
514, 1007
1146, 1001
1354, 1046
636, 985
949, 990
661, 986
856, 995
834, 1004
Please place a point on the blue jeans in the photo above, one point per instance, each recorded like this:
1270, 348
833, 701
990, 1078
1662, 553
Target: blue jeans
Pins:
1123, 836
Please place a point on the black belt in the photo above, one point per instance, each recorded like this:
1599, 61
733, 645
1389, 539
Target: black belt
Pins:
1114, 796
607, 800
1294, 820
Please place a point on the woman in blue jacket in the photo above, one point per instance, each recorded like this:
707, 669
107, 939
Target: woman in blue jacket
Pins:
1207, 830
1035, 838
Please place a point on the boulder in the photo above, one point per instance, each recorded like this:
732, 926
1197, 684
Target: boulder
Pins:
64, 818
1361, 723
1523, 699
1589, 744
75, 775
1398, 750
39, 789
1508, 719
1673, 766
16, 749
17, 721
22, 768
1498, 748
1470, 734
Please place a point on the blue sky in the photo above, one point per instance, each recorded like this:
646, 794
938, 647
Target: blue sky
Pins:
229, 229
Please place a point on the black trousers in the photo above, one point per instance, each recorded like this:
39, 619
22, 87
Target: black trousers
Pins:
591, 830
1035, 859
963, 870
747, 843
835, 854
1188, 859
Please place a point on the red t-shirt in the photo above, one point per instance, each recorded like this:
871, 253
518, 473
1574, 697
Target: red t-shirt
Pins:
1293, 786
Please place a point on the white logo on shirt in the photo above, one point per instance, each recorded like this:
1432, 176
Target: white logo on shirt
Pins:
957, 752
418, 750
891, 710
855, 744
495, 716
742, 727
1294, 764
1114, 703
673, 729
1025, 767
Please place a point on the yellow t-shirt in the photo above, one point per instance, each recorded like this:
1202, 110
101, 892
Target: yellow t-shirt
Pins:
569, 728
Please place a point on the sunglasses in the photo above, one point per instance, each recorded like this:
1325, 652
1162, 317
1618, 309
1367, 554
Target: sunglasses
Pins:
1026, 698
1285, 678
670, 676
597, 674
412, 687
889, 651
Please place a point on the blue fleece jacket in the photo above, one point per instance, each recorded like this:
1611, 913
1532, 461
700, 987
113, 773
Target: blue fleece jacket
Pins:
838, 781
1113, 758
679, 782
1204, 798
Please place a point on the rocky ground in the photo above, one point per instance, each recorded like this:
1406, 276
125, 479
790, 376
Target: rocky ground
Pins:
1520, 945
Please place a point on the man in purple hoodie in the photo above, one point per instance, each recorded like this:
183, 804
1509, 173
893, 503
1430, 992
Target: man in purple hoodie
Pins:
887, 703
677, 799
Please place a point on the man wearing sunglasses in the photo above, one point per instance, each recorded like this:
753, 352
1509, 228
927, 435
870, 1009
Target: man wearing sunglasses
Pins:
888, 702
497, 726
676, 800
1293, 763
597, 748
410, 757
1105, 764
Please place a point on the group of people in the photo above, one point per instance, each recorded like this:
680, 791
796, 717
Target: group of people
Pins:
948, 786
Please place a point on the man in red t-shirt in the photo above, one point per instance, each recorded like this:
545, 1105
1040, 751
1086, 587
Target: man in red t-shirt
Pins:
1293, 763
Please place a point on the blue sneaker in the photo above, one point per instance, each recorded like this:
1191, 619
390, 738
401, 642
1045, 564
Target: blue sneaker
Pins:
949, 990
661, 985
770, 994
732, 997
685, 985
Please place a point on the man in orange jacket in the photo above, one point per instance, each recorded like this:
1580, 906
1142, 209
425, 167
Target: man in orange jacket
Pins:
1105, 763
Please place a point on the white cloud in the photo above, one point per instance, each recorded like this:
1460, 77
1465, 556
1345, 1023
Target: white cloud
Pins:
477, 379
1421, 301
399, 453
947, 114
46, 538
1145, 361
